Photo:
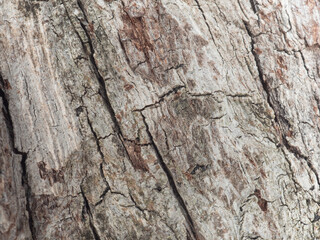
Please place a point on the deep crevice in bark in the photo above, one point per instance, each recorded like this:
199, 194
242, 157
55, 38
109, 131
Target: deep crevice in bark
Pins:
102, 85
25, 183
254, 6
283, 139
87, 207
94, 231
264, 84
24, 156
172, 183
106, 190
102, 89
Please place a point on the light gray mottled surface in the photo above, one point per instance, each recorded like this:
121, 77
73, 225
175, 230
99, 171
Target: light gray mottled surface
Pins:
159, 119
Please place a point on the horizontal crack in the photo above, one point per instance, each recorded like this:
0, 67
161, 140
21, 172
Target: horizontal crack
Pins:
161, 98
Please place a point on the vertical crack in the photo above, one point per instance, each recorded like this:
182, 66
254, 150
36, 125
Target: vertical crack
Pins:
24, 156
279, 119
95, 137
94, 231
125, 53
28, 193
102, 89
208, 26
305, 64
205, 19
264, 84
254, 6
172, 183
87, 207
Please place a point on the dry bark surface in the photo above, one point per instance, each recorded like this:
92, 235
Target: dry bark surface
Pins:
159, 119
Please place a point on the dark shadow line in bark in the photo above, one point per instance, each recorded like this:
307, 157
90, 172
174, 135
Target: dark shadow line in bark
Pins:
279, 119
172, 183
24, 156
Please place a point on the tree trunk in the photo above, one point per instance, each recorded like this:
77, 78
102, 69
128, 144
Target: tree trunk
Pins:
159, 119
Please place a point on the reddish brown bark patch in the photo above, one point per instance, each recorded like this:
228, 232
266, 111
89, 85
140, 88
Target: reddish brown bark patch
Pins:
151, 40
128, 87
263, 204
281, 63
135, 35
135, 30
258, 51
6, 84
134, 152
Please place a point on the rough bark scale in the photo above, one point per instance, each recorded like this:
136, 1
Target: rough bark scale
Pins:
159, 119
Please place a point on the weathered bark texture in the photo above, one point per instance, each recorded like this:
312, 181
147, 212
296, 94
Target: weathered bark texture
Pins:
159, 119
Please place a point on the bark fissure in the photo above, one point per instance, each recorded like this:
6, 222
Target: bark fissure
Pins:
90, 52
102, 88
254, 6
205, 19
283, 139
264, 84
305, 65
24, 157
94, 231
87, 207
172, 183
208, 26
125, 53
161, 98
107, 189
95, 137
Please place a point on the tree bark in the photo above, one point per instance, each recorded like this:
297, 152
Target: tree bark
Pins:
159, 119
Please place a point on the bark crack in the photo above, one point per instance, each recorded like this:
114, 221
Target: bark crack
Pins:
87, 207
205, 19
172, 183
207, 24
95, 137
161, 98
259, 68
24, 157
102, 86
283, 139
305, 65
254, 6
102, 90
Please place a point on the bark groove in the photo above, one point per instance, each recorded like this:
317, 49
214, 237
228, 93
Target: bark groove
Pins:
145, 119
